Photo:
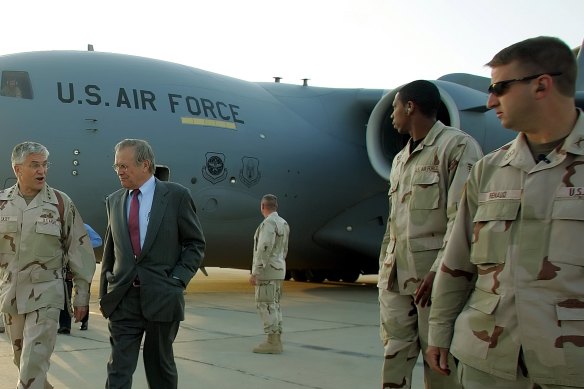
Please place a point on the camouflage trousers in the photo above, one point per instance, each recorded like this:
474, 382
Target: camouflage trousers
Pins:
404, 332
267, 297
33, 336
472, 378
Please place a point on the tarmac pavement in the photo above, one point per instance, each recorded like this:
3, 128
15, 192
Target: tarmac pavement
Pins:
331, 340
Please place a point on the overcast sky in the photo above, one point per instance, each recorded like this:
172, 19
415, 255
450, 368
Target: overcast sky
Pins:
335, 43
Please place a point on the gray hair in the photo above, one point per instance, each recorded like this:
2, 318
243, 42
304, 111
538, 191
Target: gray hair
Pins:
22, 150
142, 151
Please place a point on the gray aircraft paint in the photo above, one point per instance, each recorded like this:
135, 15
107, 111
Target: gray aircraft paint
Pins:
324, 152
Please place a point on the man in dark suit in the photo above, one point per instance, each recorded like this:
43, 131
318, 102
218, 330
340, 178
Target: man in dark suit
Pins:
154, 245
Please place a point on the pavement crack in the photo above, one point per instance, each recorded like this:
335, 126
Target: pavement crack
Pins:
237, 370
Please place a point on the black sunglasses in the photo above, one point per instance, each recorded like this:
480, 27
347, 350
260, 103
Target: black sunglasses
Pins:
499, 88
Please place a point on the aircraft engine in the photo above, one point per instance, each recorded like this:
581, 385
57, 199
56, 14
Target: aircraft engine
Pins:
462, 107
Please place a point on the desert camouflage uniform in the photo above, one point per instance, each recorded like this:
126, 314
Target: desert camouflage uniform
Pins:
425, 188
511, 284
269, 266
31, 288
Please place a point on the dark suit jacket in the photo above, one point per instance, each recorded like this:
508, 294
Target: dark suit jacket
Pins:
174, 246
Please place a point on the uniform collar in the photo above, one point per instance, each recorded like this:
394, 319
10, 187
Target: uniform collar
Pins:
46, 195
272, 215
433, 134
517, 151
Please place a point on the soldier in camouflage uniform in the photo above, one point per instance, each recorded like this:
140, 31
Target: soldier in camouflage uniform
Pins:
268, 271
509, 297
426, 182
38, 225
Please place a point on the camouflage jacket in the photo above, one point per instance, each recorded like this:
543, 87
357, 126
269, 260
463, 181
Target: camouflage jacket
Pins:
31, 252
425, 188
512, 276
270, 246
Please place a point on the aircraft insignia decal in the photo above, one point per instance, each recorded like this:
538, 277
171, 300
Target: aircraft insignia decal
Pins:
249, 173
214, 169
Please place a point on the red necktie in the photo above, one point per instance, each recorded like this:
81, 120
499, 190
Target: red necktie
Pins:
134, 222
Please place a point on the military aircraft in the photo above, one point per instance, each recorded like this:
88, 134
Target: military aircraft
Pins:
326, 153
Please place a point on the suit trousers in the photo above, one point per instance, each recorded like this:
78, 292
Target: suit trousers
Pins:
127, 327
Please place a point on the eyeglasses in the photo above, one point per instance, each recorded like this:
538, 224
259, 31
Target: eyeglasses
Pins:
500, 88
36, 165
120, 166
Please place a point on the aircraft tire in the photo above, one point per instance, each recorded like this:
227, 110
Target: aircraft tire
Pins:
299, 275
350, 275
333, 276
316, 276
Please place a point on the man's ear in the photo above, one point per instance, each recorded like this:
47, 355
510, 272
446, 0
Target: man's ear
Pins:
410, 107
544, 83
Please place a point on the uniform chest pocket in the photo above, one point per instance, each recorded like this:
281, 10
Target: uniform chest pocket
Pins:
53, 229
48, 239
8, 230
571, 326
492, 231
425, 190
567, 228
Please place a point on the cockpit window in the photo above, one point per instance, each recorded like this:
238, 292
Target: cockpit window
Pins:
16, 84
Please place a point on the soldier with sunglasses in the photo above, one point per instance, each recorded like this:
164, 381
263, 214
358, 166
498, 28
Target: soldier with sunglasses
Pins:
508, 299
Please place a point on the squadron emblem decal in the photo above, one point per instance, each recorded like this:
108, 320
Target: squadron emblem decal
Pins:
249, 173
214, 169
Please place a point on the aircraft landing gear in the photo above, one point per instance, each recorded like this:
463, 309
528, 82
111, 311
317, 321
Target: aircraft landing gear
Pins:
318, 275
333, 276
299, 275
350, 275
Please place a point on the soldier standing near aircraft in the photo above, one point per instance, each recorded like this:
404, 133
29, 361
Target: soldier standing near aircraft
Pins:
426, 182
42, 231
509, 297
269, 269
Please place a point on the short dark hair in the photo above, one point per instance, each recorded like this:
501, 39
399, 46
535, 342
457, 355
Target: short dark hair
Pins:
270, 201
543, 54
142, 150
422, 93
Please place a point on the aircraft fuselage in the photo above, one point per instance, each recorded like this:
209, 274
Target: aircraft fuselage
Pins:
227, 140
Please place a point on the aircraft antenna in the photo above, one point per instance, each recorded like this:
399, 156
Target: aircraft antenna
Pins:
90, 47
277, 79
305, 81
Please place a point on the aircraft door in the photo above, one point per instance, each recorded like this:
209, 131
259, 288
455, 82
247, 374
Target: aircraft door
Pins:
162, 173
